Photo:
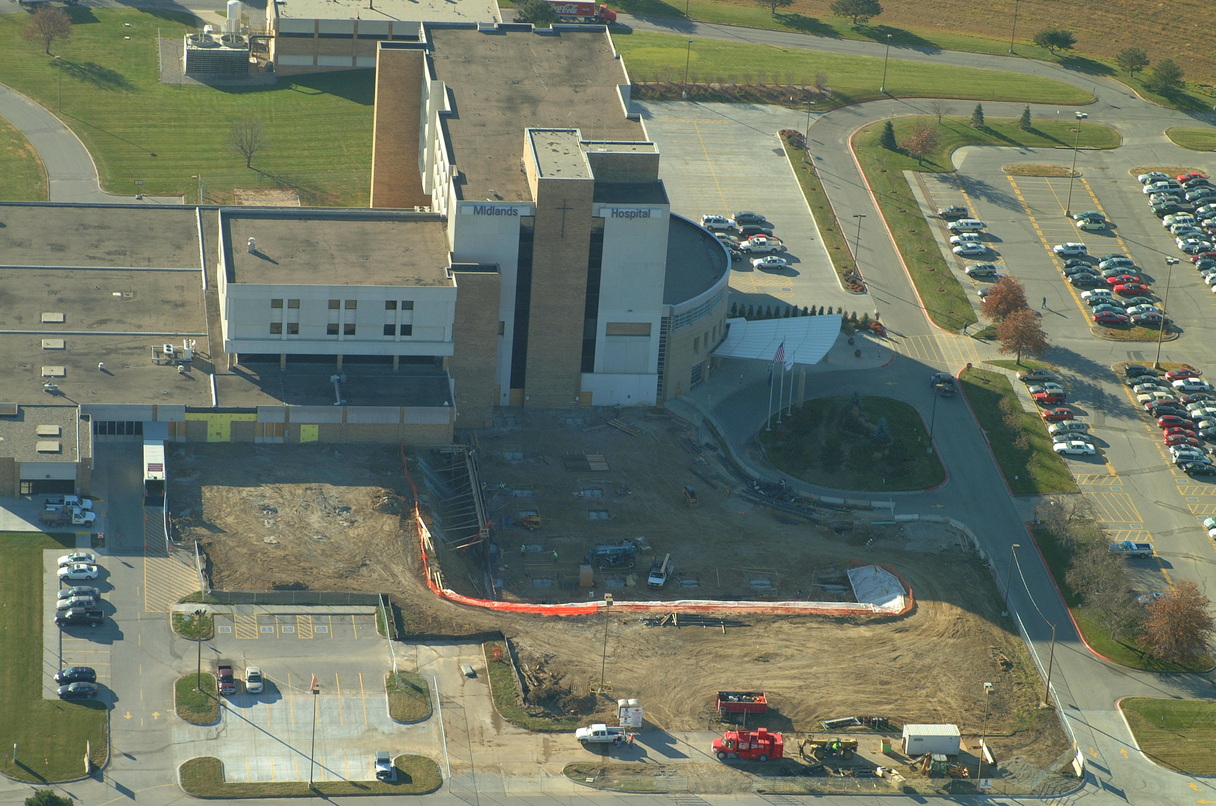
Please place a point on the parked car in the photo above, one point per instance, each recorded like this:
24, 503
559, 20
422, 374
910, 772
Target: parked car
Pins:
1101, 292
1058, 414
1130, 289
76, 674
1031, 376
1085, 280
1074, 448
1045, 386
716, 222
770, 263
78, 557
1138, 369
1111, 318
957, 211
76, 601
1152, 176
982, 270
78, 691
1180, 439
966, 225
1069, 249
748, 217
78, 590
1090, 225
965, 237
1198, 468
1050, 398
1150, 320
1171, 420
1068, 427
970, 249
254, 682
1158, 187
1092, 215
1121, 278
1189, 176
748, 230
79, 571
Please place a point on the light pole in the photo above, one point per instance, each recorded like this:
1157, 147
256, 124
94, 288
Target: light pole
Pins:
687, 62
1016, 5
604, 661
1009, 575
200, 188
886, 57
979, 774
1051, 657
932, 420
1165, 302
1072, 174
312, 750
806, 134
198, 626
59, 101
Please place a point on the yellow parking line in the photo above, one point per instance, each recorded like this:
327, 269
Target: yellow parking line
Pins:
709, 164
290, 697
338, 688
363, 697
354, 626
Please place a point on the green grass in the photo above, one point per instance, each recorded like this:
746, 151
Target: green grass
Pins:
834, 240
196, 628
1033, 470
198, 707
204, 778
51, 735
506, 697
827, 441
1027, 364
1178, 734
22, 175
945, 299
409, 696
318, 127
662, 57
1192, 138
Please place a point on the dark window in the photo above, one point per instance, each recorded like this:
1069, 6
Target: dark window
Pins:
293, 328
335, 304
407, 330
407, 305
350, 35
523, 302
276, 303
276, 328
348, 329
352, 304
389, 330
591, 307
296, 34
293, 303
331, 329
390, 305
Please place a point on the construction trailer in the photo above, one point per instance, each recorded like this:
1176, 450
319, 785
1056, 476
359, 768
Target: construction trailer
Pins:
917, 740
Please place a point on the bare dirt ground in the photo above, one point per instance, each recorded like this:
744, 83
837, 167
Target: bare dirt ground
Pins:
326, 518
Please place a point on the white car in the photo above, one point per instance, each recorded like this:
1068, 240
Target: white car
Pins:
762, 244
770, 263
1158, 187
1104, 293
85, 557
254, 682
1186, 453
78, 571
1068, 426
1152, 176
1143, 309
716, 222
1074, 447
965, 237
1177, 218
1070, 249
970, 249
1192, 385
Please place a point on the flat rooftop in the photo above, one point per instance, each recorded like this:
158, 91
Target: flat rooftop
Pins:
311, 385
315, 248
137, 236
42, 433
695, 261
503, 81
484, 11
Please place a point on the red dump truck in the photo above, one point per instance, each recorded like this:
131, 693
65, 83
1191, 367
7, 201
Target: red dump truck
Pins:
750, 745
741, 702
568, 11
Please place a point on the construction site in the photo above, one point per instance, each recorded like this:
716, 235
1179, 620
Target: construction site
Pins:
555, 488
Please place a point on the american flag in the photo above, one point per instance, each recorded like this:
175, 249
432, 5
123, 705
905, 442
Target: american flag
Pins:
780, 356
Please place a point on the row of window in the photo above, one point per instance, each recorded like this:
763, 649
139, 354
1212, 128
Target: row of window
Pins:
348, 304
333, 329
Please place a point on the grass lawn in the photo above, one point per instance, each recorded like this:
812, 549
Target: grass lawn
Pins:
204, 778
1178, 734
506, 696
1192, 138
409, 697
50, 735
1032, 468
661, 57
1027, 364
198, 707
945, 299
22, 176
318, 127
834, 240
829, 441
196, 628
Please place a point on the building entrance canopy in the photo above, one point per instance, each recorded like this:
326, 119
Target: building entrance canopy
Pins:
799, 339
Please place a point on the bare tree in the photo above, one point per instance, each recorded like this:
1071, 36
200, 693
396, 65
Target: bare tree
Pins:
1022, 332
939, 110
47, 25
821, 83
248, 138
1007, 296
921, 141
1179, 626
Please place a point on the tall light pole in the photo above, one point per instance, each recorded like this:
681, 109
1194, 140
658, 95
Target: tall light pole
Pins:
687, 62
1072, 174
1051, 657
1165, 302
886, 57
604, 661
979, 774
932, 420
1016, 5
312, 750
1009, 576
59, 65
806, 134
198, 626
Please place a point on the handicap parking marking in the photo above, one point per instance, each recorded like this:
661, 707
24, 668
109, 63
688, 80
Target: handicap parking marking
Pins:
322, 628
266, 629
224, 628
287, 628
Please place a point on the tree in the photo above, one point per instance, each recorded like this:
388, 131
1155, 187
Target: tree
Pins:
860, 10
1178, 626
1132, 60
921, 141
1055, 40
772, 5
821, 83
977, 117
887, 138
537, 12
47, 25
1024, 120
1022, 332
1164, 77
248, 138
48, 797
939, 110
1005, 297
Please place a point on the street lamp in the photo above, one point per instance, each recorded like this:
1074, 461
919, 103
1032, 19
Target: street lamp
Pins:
1016, 5
687, 61
806, 134
312, 751
1051, 657
886, 57
979, 774
1008, 576
1165, 302
1072, 174
198, 628
200, 188
932, 420
604, 661
59, 66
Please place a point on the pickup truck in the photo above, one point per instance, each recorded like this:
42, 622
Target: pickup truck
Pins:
225, 679
1129, 549
659, 571
67, 502
601, 734
77, 616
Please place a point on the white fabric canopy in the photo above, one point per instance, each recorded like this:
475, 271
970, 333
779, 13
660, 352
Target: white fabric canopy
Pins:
806, 338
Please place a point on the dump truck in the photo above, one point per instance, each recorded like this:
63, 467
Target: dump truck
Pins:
750, 745
581, 12
612, 555
1129, 549
225, 679
741, 702
659, 571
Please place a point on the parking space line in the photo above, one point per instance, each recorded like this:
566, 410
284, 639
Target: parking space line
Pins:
304, 627
245, 627
709, 163
1114, 507
363, 697
291, 703
338, 688
354, 626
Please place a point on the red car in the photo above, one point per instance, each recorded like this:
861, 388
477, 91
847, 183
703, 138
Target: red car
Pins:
1187, 177
1179, 374
1173, 421
1203, 256
1058, 414
1111, 318
1130, 289
1120, 279
1175, 431
1180, 439
1050, 398
1195, 397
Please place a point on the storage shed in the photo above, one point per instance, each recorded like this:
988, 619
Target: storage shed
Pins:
920, 739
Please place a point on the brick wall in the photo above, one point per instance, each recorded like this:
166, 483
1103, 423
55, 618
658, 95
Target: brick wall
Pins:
396, 181
475, 336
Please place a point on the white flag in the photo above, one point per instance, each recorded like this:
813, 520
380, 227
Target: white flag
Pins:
789, 360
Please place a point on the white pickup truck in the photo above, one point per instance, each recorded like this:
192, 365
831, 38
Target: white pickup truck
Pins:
601, 734
761, 245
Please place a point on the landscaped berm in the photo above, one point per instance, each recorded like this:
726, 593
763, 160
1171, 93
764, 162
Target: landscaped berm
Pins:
855, 443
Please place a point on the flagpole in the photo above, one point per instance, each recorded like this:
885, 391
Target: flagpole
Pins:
780, 394
768, 415
790, 409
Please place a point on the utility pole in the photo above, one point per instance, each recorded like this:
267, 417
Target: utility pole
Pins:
1016, 5
885, 59
1165, 302
312, 750
687, 61
979, 774
1050, 662
1008, 575
604, 660
1072, 174
198, 626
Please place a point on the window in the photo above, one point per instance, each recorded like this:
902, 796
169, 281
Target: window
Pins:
293, 328
335, 304
293, 303
389, 330
276, 303
348, 329
390, 305
276, 328
352, 304
502, 328
696, 344
407, 330
331, 329
407, 305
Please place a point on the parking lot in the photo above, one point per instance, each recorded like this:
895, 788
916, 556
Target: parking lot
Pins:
77, 645
250, 626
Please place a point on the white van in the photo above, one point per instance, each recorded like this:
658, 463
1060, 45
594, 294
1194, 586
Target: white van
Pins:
966, 225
